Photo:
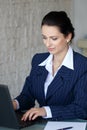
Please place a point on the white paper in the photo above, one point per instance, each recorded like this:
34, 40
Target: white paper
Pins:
54, 125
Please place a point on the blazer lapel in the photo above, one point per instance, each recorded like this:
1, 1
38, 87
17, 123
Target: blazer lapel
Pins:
63, 75
41, 76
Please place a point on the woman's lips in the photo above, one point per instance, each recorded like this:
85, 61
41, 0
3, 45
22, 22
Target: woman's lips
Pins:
50, 49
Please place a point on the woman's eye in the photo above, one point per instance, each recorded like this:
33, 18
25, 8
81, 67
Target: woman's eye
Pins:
55, 38
44, 38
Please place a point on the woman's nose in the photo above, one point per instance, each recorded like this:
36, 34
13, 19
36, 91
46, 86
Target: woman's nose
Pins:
48, 42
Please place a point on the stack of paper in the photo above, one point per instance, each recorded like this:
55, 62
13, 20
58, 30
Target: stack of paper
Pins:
55, 125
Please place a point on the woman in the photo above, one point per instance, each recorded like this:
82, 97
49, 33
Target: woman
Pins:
58, 78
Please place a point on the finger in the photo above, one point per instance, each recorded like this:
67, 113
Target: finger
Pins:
25, 116
32, 114
34, 117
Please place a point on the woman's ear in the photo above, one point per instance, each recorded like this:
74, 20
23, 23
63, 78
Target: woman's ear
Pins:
69, 37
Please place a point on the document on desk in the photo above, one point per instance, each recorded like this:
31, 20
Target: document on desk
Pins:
58, 125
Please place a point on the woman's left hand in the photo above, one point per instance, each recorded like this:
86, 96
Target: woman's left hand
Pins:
33, 113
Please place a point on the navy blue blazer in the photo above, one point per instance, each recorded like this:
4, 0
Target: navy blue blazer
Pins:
67, 93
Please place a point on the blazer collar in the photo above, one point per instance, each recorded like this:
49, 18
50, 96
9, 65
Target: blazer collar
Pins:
64, 74
68, 61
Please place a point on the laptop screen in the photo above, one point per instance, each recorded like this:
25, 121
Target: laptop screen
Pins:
8, 117
7, 114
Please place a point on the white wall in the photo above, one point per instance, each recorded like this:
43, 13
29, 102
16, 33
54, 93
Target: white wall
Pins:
80, 19
20, 37
20, 34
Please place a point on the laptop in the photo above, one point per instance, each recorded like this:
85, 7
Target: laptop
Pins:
8, 117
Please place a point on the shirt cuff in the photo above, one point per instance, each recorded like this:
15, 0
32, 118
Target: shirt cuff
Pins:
48, 111
18, 106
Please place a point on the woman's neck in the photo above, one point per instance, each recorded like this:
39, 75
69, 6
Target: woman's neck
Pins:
58, 59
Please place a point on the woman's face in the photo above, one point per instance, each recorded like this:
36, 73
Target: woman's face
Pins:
54, 40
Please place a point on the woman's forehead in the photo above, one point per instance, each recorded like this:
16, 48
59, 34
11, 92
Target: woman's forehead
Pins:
54, 30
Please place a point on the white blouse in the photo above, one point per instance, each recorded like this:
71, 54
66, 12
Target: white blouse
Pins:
68, 62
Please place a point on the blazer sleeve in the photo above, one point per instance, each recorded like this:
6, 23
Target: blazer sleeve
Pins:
78, 107
25, 98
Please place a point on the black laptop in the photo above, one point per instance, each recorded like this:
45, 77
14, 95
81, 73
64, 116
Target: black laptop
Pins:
8, 117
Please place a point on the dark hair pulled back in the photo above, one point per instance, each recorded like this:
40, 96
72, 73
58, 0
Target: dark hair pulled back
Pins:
61, 20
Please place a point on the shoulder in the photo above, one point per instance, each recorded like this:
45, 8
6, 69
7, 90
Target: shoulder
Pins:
39, 57
79, 57
80, 61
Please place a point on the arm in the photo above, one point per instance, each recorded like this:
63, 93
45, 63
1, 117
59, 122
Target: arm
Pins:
26, 99
78, 108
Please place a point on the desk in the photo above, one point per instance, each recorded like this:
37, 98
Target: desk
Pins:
39, 126
33, 127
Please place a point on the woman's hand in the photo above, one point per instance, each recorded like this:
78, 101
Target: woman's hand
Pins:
33, 113
14, 104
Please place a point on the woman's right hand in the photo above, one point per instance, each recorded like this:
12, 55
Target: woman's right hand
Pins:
14, 104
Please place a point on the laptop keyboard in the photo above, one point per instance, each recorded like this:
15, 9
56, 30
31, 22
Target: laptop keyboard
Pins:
23, 124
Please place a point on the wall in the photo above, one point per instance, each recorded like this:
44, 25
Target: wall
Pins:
20, 37
80, 20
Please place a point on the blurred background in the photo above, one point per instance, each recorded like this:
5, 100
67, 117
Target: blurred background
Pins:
20, 35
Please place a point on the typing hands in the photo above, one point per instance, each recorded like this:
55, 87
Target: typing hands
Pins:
33, 113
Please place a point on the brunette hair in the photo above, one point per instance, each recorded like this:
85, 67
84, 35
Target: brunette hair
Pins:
61, 20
